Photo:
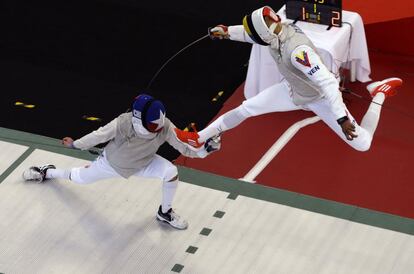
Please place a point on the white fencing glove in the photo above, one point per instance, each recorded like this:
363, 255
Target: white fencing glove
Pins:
213, 144
219, 32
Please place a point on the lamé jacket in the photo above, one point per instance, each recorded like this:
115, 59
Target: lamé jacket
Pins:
299, 63
127, 152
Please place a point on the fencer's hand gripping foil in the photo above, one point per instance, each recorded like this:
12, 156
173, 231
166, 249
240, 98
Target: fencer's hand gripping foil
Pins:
213, 144
218, 32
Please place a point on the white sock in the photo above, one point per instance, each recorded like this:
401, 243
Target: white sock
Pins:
371, 118
57, 173
212, 130
225, 122
168, 192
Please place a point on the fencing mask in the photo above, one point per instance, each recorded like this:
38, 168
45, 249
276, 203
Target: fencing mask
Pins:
255, 25
149, 113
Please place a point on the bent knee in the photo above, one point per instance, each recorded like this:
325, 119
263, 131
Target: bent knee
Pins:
362, 142
361, 146
171, 173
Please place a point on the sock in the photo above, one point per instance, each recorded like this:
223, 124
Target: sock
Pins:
371, 118
225, 122
57, 173
168, 192
213, 129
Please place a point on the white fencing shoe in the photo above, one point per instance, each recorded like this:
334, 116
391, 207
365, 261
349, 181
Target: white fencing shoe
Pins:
387, 86
172, 218
37, 174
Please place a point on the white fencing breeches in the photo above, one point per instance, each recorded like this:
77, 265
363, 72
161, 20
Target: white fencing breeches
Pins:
277, 98
100, 169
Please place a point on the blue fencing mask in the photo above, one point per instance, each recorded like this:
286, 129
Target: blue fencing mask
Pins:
150, 112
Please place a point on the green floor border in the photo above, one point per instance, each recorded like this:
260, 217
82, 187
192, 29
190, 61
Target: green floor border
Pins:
232, 186
41, 142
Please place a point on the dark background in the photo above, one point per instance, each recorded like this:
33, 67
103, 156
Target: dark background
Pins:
92, 57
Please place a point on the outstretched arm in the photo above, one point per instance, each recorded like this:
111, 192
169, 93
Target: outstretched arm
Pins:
101, 135
188, 150
235, 33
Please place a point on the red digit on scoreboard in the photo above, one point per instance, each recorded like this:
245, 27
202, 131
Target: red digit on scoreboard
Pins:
336, 18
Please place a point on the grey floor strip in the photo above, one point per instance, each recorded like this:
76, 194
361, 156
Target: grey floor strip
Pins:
219, 214
232, 196
16, 164
191, 249
177, 268
206, 231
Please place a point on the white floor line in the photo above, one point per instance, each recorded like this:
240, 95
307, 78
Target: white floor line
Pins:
277, 147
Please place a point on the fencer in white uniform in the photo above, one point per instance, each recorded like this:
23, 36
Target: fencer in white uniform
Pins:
307, 83
134, 139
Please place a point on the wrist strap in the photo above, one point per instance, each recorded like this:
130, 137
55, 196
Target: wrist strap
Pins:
342, 120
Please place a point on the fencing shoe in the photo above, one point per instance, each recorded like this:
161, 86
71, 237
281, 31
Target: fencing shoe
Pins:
172, 218
188, 137
37, 174
387, 86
